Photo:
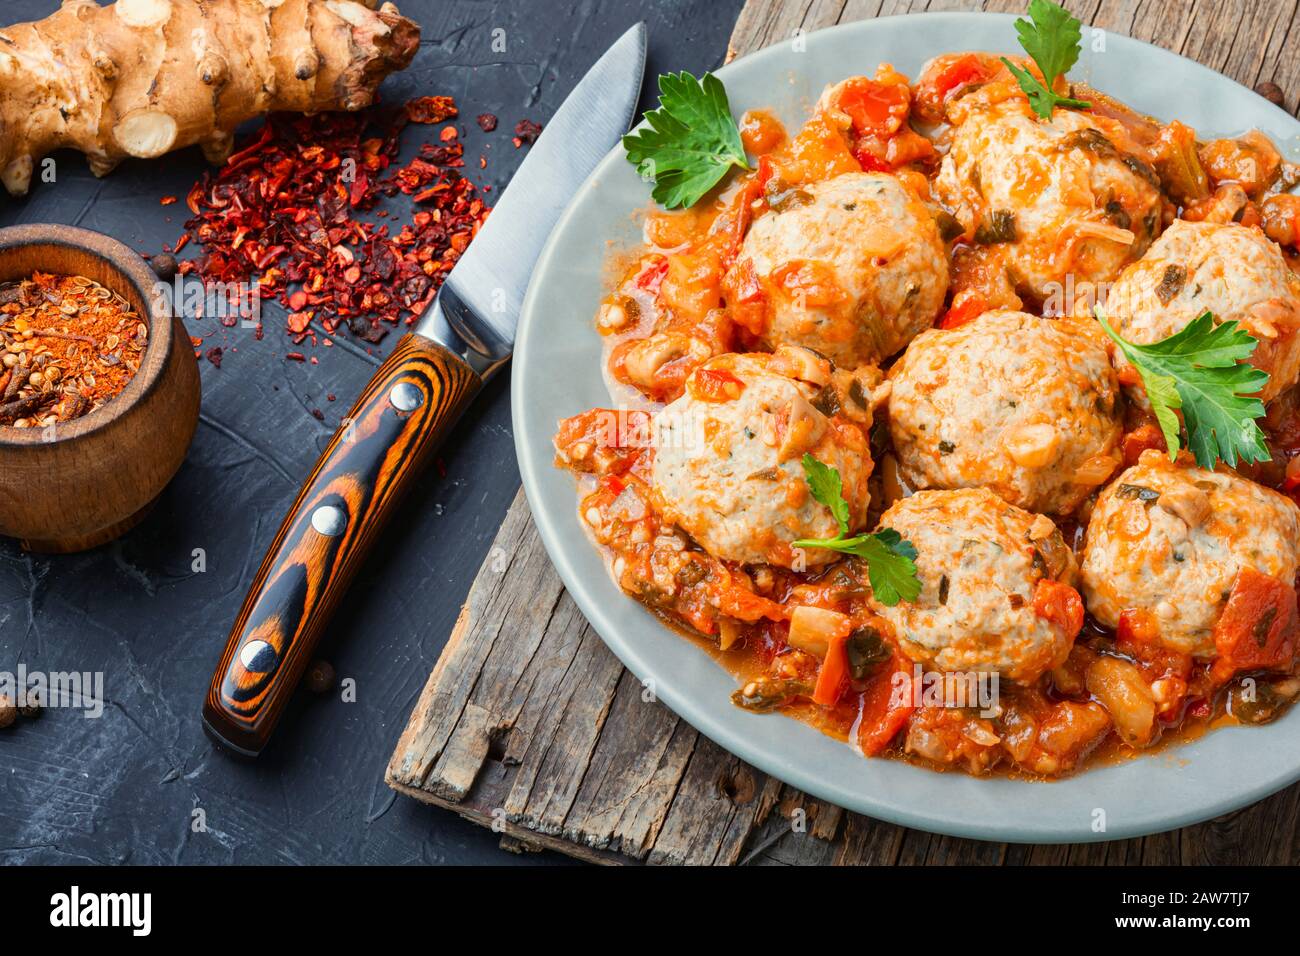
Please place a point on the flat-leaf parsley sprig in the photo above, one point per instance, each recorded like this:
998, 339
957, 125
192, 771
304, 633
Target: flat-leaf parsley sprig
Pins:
691, 140
1200, 369
1051, 37
891, 561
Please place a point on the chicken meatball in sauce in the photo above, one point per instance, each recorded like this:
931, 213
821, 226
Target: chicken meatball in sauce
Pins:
1168, 540
1029, 408
997, 589
1049, 208
853, 267
728, 457
1234, 272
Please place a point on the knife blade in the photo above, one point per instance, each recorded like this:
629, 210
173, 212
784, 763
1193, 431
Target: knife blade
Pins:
481, 299
406, 410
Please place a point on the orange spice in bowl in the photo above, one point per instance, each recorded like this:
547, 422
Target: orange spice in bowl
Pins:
68, 345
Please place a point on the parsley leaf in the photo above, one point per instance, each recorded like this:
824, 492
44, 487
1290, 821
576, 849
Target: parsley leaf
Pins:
1051, 37
891, 561
691, 141
828, 489
1199, 369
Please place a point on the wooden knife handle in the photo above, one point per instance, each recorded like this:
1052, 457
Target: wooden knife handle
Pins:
391, 433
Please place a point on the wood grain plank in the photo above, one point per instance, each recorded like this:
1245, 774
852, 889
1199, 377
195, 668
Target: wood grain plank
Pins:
717, 803
622, 803
529, 725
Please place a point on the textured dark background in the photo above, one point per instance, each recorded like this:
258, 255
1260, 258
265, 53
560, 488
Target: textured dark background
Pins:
123, 788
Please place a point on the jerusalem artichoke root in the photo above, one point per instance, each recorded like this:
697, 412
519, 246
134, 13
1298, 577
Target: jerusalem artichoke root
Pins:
143, 77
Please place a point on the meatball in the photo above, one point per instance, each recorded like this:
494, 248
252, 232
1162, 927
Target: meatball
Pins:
1233, 271
992, 577
1170, 538
853, 267
1027, 407
728, 458
1056, 204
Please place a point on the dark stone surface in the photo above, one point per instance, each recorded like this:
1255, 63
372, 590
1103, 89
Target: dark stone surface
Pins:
126, 787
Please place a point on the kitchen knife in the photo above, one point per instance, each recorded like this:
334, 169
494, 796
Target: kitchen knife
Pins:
408, 408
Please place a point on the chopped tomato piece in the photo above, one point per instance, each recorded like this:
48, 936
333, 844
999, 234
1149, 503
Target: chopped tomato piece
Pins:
939, 86
1139, 440
652, 274
871, 163
1257, 628
886, 706
833, 678
744, 283
1138, 636
737, 601
714, 385
1060, 604
746, 298
742, 216
908, 147
1137, 628
965, 308
875, 107
605, 428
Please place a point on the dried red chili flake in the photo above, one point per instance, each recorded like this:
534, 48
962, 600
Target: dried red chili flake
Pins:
282, 213
431, 109
295, 357
526, 131
214, 356
167, 201
448, 134
487, 122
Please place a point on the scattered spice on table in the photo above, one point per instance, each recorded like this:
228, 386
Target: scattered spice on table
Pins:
487, 122
321, 677
526, 131
68, 345
1272, 92
283, 212
164, 266
214, 356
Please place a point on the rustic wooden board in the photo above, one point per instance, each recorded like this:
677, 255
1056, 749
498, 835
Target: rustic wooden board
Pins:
529, 725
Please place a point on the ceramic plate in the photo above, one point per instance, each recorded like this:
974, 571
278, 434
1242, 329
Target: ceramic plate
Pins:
557, 372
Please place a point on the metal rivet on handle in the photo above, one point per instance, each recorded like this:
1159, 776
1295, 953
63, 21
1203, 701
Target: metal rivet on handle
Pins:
329, 521
405, 397
257, 656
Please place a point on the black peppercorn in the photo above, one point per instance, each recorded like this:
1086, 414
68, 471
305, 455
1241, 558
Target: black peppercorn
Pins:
164, 265
8, 711
1273, 93
320, 678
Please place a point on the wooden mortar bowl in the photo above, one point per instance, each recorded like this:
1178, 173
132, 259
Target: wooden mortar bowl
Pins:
82, 483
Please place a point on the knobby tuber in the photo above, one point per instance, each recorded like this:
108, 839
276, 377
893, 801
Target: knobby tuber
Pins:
143, 77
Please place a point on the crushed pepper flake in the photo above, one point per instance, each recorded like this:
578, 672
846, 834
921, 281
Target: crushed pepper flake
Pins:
283, 213
526, 133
